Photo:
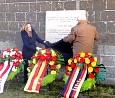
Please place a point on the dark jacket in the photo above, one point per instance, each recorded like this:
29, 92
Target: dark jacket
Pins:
29, 44
64, 48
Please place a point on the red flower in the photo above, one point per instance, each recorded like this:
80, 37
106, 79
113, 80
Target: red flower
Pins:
13, 56
67, 74
47, 57
66, 67
18, 58
91, 75
82, 60
14, 64
91, 59
47, 52
96, 70
78, 59
18, 54
72, 65
78, 55
53, 67
88, 65
54, 58
21, 57
38, 56
86, 55
15, 49
42, 57
30, 64
17, 63
8, 50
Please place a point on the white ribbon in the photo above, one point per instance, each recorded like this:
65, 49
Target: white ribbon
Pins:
4, 77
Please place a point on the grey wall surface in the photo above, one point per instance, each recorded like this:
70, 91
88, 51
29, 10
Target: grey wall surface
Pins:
101, 13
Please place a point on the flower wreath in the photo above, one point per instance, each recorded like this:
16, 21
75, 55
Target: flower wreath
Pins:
55, 60
96, 72
15, 56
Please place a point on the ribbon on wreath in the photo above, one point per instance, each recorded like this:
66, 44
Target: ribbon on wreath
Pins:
4, 74
38, 65
74, 83
35, 78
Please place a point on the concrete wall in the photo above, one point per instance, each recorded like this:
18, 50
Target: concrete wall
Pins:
101, 13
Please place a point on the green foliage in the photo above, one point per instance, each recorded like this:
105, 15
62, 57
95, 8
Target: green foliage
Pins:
60, 58
101, 75
65, 78
80, 65
48, 79
12, 74
22, 66
88, 84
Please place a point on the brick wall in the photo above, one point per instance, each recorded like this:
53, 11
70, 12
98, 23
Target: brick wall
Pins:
101, 13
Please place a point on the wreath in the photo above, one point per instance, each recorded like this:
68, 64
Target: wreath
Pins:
14, 56
95, 72
55, 60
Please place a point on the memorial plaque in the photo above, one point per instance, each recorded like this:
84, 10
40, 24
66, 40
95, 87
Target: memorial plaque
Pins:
59, 23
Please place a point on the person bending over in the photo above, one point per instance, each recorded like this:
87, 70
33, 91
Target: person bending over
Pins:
82, 36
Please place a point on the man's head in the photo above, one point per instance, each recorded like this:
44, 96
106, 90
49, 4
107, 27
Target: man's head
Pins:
82, 20
79, 18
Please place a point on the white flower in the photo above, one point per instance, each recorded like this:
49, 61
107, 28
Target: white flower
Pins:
12, 53
14, 60
21, 60
4, 53
8, 53
14, 68
20, 52
11, 49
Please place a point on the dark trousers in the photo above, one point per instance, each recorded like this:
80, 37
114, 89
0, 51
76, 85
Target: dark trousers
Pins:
25, 71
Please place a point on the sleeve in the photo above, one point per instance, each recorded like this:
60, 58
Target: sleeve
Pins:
25, 41
47, 44
97, 36
38, 39
71, 37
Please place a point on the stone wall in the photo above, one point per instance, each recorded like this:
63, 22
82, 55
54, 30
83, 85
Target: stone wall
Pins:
101, 13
